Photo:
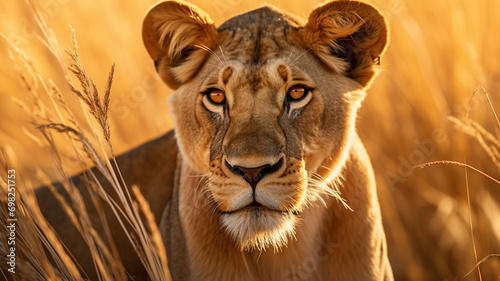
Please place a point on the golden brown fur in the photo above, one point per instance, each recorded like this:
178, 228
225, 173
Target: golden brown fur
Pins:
264, 186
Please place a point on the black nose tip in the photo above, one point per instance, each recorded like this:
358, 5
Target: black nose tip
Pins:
254, 175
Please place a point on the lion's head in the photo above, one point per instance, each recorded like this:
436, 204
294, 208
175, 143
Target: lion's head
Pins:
265, 104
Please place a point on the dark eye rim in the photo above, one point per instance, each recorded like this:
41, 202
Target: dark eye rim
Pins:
207, 94
307, 92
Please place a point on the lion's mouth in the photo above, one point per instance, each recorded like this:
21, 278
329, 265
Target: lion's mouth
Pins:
255, 207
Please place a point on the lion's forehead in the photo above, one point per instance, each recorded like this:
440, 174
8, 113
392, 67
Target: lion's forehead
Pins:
258, 36
253, 88
257, 85
255, 77
264, 16
242, 77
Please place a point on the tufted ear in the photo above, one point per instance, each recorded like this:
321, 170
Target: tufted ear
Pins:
349, 36
175, 34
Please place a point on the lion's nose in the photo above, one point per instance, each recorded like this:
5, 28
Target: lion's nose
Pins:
254, 175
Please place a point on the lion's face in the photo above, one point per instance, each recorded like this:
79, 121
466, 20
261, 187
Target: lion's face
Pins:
261, 133
266, 117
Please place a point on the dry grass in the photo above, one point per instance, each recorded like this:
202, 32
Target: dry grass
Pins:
440, 51
491, 146
39, 244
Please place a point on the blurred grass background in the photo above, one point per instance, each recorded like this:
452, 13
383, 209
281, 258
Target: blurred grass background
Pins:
440, 51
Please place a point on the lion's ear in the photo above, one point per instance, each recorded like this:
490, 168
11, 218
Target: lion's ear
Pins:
174, 34
349, 36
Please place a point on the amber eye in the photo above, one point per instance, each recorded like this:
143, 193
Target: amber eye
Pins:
297, 92
216, 96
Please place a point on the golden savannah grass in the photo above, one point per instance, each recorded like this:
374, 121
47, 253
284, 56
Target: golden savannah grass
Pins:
440, 51
34, 233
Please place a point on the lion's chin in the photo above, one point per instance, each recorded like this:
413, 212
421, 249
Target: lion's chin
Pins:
260, 228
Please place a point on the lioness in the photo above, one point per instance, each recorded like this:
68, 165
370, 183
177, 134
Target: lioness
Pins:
264, 177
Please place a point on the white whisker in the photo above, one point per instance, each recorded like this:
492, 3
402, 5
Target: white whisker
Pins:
290, 56
211, 52
330, 188
223, 56
304, 52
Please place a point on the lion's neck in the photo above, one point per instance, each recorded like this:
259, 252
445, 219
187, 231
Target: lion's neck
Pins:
329, 240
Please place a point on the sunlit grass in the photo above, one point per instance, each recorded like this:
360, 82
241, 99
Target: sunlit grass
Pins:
38, 243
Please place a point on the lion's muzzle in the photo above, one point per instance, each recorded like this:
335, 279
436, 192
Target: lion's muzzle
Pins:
254, 175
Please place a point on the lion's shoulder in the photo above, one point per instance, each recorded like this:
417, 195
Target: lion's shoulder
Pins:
151, 167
